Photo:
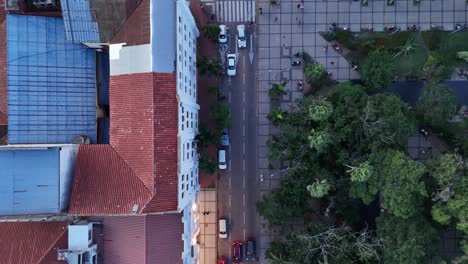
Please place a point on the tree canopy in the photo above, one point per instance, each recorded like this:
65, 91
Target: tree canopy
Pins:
437, 104
378, 69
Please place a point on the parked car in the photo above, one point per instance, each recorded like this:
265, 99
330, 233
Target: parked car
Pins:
222, 260
222, 159
222, 228
225, 137
242, 41
250, 250
236, 252
231, 64
223, 34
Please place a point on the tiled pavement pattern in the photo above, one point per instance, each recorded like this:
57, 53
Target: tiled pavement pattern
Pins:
284, 29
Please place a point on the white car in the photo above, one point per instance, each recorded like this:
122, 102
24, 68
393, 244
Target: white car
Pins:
231, 64
223, 34
242, 41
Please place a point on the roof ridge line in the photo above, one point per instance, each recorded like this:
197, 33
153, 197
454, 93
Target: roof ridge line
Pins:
125, 22
55, 242
133, 172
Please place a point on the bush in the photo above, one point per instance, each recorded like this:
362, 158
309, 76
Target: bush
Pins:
314, 72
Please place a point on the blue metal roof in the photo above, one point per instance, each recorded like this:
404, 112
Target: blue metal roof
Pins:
29, 181
51, 83
79, 23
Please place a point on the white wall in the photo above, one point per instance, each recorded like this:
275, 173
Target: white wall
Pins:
130, 59
187, 34
68, 154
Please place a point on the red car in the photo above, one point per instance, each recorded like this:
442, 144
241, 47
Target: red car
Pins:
222, 260
237, 252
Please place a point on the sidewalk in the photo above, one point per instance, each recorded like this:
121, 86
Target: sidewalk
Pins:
207, 238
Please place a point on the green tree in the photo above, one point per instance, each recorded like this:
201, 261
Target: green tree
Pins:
319, 139
209, 67
319, 189
406, 241
398, 179
406, 49
437, 104
439, 66
386, 120
314, 72
320, 109
378, 69
206, 137
463, 55
276, 116
207, 165
278, 89
220, 112
321, 244
212, 31
361, 173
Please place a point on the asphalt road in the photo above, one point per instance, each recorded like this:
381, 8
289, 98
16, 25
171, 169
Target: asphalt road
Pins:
238, 185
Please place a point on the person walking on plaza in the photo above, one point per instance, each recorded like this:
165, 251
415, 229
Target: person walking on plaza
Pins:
260, 10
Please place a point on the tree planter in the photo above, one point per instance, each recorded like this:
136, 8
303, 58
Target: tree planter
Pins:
390, 2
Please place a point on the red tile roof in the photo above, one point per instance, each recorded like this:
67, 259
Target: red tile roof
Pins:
32, 242
143, 239
3, 68
140, 164
105, 184
136, 30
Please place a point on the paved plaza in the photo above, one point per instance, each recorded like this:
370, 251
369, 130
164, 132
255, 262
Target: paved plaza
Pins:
284, 30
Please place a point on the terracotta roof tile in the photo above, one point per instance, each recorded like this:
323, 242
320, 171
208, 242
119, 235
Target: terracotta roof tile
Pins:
105, 184
143, 239
140, 164
165, 142
32, 242
132, 123
136, 30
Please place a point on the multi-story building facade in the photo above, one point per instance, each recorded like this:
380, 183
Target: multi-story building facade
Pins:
149, 163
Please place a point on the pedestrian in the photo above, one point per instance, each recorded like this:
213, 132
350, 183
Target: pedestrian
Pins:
332, 62
325, 49
260, 10
276, 19
297, 19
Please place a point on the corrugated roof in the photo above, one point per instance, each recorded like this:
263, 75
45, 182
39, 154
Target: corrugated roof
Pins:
29, 181
32, 242
3, 69
105, 184
51, 83
79, 23
143, 239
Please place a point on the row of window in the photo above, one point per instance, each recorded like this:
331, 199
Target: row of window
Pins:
188, 120
189, 181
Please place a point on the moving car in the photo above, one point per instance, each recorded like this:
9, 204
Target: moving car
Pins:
222, 228
225, 137
223, 34
250, 250
231, 67
222, 159
242, 41
236, 252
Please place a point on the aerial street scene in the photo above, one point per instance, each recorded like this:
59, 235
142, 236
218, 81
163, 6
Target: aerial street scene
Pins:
233, 131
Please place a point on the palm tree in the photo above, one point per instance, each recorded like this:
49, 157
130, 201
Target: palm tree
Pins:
319, 189
277, 89
407, 48
276, 116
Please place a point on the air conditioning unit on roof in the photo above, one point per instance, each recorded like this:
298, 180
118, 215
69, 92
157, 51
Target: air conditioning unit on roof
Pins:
45, 3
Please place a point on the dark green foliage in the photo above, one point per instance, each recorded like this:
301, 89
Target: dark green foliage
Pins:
220, 112
212, 31
378, 69
207, 165
208, 66
406, 241
437, 104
